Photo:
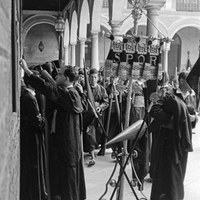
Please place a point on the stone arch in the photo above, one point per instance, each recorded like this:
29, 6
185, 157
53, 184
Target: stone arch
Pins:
74, 28
128, 24
96, 16
183, 23
163, 32
41, 34
84, 19
34, 20
66, 33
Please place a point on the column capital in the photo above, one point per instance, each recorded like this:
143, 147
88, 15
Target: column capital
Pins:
116, 29
94, 34
155, 5
115, 24
82, 40
73, 43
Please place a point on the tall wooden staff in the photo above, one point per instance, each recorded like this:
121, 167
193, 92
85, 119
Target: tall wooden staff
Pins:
120, 194
124, 152
111, 96
90, 100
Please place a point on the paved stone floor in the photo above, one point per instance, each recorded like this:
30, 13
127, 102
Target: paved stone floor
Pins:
98, 175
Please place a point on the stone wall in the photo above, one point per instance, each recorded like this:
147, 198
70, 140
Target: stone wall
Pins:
9, 118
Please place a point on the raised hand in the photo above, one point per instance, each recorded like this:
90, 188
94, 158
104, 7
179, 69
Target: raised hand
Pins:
24, 66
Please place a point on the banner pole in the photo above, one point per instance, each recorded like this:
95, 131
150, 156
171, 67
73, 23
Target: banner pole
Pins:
120, 194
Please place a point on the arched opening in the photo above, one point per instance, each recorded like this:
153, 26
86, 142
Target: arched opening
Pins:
83, 24
43, 34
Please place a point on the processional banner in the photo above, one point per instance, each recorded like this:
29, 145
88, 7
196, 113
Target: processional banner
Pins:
133, 59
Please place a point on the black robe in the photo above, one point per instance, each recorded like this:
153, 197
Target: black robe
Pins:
30, 124
173, 145
68, 168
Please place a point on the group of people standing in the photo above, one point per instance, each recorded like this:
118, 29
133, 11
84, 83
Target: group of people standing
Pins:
66, 177
75, 125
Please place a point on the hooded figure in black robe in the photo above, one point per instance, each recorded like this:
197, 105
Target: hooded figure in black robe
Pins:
31, 124
174, 143
70, 184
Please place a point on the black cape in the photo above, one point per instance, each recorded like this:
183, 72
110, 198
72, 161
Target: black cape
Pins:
173, 144
68, 166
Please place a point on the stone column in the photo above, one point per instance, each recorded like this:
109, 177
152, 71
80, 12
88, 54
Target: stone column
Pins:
166, 48
153, 7
82, 51
152, 14
73, 54
69, 54
66, 55
95, 51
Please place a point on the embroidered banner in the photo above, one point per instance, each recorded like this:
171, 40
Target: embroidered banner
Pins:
134, 59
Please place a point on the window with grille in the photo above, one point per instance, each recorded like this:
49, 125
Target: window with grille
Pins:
188, 5
105, 3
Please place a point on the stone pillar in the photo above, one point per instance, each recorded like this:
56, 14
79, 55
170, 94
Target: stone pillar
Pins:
152, 14
153, 7
66, 55
82, 51
73, 54
166, 48
95, 51
69, 54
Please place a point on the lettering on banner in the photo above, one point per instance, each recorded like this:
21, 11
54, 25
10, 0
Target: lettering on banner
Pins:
138, 60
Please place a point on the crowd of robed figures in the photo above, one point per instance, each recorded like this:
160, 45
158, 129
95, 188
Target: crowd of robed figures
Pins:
59, 107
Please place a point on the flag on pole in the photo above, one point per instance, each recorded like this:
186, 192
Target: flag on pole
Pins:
188, 64
193, 76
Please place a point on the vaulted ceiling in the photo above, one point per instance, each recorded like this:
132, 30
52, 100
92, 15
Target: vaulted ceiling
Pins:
46, 5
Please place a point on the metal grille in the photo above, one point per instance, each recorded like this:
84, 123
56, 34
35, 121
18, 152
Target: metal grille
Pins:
188, 5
